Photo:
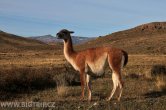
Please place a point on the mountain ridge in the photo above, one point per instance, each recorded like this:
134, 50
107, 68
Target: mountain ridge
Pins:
51, 39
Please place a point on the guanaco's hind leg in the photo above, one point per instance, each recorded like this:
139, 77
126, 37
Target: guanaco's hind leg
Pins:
120, 90
115, 85
116, 76
121, 83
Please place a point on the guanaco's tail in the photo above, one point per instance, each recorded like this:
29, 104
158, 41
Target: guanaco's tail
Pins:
125, 57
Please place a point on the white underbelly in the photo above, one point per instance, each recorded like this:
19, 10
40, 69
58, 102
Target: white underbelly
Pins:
96, 69
98, 66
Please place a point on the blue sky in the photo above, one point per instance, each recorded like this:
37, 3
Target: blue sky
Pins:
89, 18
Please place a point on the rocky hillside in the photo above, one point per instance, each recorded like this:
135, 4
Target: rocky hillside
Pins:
144, 39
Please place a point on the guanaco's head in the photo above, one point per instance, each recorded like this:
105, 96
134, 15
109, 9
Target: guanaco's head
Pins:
64, 34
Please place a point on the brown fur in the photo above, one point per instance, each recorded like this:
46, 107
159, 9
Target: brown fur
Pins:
95, 59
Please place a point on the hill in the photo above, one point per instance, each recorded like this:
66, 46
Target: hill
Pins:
144, 39
51, 39
10, 42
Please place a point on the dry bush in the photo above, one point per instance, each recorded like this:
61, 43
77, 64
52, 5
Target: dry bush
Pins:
149, 72
67, 76
159, 74
65, 79
137, 71
23, 79
158, 70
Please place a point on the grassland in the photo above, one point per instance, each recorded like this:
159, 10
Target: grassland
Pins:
46, 76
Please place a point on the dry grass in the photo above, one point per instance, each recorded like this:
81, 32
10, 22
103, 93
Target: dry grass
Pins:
161, 82
32, 68
30, 59
143, 65
62, 90
46, 76
62, 85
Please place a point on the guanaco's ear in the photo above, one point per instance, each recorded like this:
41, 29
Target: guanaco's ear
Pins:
71, 32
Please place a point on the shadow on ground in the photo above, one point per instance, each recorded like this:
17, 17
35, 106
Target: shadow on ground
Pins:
155, 94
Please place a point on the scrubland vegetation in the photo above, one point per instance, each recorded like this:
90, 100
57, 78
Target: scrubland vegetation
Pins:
45, 76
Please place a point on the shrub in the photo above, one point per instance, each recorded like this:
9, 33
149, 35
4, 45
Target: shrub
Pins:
158, 70
159, 74
23, 79
19, 79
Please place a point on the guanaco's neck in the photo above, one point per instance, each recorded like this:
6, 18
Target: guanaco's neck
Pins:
68, 48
